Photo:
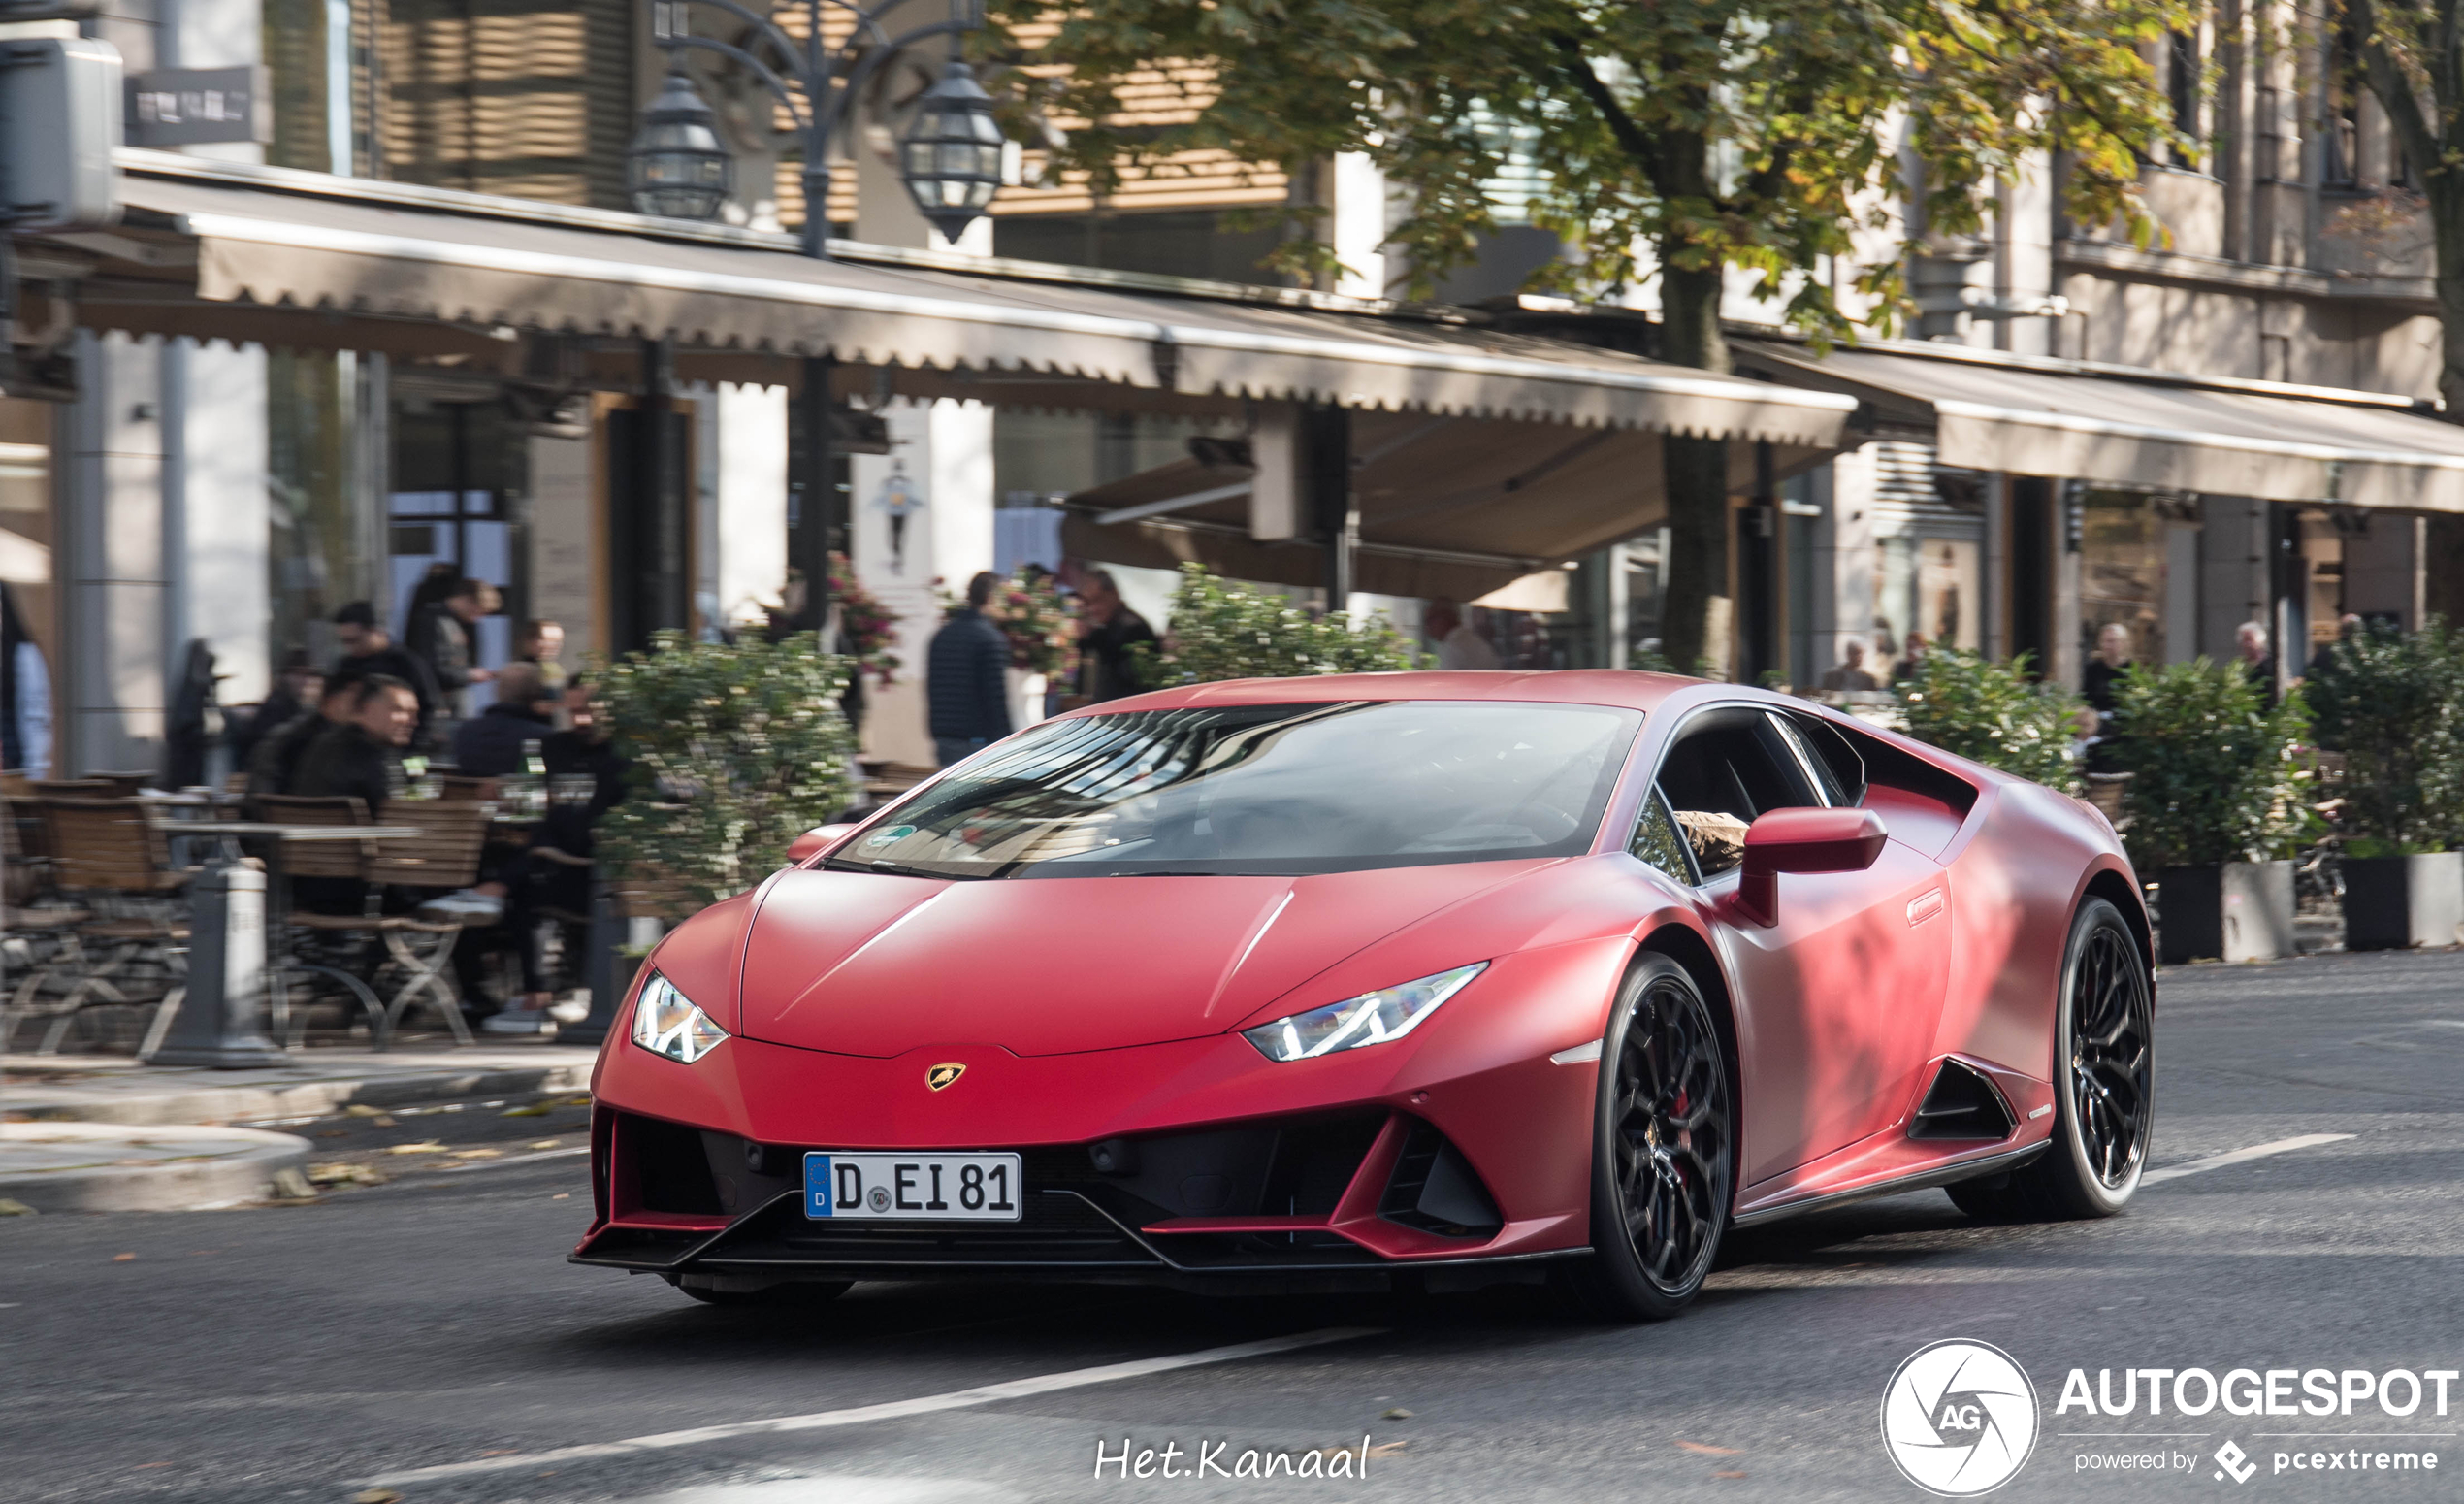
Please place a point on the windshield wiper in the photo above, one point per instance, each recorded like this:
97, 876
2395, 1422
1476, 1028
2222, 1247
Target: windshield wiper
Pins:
895, 869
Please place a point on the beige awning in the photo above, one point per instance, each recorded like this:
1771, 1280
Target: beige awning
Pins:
2215, 437
218, 250
1455, 506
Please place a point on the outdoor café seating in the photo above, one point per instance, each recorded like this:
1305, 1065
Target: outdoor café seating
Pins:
109, 862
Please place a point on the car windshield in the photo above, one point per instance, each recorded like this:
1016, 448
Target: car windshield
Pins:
1266, 789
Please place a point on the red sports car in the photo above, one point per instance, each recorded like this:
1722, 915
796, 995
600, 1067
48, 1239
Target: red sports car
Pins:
1408, 980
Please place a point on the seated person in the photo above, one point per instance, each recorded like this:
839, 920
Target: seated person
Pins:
360, 758
489, 745
273, 762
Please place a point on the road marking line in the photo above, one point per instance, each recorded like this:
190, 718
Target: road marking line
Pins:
891, 1410
519, 1159
2218, 1161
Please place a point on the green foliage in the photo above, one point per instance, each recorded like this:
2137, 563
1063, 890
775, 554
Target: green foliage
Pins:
1993, 713
1038, 621
735, 750
2393, 704
1223, 629
2216, 773
1763, 135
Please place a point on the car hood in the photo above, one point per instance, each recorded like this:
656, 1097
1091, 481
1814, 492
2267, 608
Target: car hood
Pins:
858, 964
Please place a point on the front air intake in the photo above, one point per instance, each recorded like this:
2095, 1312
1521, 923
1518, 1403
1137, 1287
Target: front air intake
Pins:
1961, 1103
1433, 1189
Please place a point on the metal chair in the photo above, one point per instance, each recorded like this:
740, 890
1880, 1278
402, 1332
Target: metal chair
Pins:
36, 929
442, 857
111, 858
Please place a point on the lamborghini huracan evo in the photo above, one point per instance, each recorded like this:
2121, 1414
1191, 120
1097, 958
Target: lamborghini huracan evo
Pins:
1406, 981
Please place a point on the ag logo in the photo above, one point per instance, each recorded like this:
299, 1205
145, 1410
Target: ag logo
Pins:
940, 1076
1959, 1418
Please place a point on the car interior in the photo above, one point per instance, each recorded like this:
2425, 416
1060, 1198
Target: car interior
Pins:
1730, 766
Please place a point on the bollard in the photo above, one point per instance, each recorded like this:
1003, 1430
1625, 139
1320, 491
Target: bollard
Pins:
220, 1020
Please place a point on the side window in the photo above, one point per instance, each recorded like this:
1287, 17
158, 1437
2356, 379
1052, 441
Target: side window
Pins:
1801, 746
1657, 839
1726, 768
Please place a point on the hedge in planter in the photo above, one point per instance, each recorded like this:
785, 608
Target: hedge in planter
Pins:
2217, 789
1223, 629
2397, 703
736, 749
1993, 713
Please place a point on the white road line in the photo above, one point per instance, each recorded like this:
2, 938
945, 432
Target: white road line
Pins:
519, 1159
2218, 1161
891, 1410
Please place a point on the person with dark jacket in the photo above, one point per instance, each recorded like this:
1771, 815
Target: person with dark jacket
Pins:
546, 881
297, 688
1107, 663
361, 758
368, 649
967, 678
489, 745
273, 762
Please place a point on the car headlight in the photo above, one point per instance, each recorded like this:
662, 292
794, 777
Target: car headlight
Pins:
1371, 1018
667, 1023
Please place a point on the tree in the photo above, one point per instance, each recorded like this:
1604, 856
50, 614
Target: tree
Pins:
1680, 140
2411, 55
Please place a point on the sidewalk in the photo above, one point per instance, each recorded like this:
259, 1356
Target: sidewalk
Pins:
105, 1167
116, 1088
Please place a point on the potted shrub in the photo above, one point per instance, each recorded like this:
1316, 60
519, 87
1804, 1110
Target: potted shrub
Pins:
1223, 630
2215, 801
735, 750
2393, 704
1993, 713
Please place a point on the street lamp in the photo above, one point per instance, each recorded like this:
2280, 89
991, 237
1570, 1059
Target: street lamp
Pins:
680, 169
951, 161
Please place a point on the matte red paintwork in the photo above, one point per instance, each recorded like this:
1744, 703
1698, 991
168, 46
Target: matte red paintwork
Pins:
1086, 1009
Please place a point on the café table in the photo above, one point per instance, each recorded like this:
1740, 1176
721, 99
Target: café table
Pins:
220, 1020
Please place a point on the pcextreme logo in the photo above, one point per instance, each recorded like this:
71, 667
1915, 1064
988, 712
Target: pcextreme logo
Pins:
1959, 1418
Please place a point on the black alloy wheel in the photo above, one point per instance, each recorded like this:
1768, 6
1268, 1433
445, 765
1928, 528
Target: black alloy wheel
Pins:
1665, 1162
2104, 1102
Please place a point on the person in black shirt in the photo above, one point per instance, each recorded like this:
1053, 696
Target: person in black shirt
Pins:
2100, 685
1107, 667
273, 762
369, 649
538, 885
360, 758
489, 745
966, 676
2258, 663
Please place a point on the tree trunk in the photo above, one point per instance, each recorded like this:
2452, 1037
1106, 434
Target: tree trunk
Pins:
2446, 195
1696, 614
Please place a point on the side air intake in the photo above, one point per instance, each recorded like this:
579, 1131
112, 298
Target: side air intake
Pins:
1961, 1103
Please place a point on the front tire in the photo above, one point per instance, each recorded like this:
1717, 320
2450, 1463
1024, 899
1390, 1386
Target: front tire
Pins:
2104, 1102
1664, 1151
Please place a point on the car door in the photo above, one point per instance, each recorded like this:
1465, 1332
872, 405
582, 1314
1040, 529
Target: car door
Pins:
1838, 1001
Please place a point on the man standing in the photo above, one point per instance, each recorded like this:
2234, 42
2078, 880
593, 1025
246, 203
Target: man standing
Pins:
1851, 674
489, 745
1458, 646
2250, 639
2105, 671
369, 649
25, 696
541, 645
1107, 631
967, 678
453, 648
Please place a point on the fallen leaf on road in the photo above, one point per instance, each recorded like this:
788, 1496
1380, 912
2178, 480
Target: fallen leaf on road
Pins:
430, 1146
545, 1143
535, 1110
1395, 1415
476, 1154
375, 1496
122, 1257
362, 1110
345, 1173
383, 1120
9, 1208
1708, 1450
290, 1184
1387, 1448
1728, 1475
562, 1195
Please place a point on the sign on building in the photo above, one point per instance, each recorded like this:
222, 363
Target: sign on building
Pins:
189, 106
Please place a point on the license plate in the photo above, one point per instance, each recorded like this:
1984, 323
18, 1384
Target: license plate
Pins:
912, 1187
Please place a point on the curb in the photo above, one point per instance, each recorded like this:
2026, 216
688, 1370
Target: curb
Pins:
306, 1099
221, 1167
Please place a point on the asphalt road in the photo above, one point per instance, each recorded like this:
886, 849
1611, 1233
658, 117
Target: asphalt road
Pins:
305, 1352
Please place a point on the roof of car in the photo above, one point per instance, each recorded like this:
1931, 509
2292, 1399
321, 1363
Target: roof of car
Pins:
1628, 688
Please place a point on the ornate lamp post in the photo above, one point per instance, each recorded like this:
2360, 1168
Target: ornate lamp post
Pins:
950, 160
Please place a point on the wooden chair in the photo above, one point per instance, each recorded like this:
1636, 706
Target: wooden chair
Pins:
124, 785
34, 935
111, 858
442, 857
384, 937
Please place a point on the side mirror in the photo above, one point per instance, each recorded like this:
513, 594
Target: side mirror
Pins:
1802, 841
813, 842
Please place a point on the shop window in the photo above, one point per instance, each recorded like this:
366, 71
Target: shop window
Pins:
2121, 572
